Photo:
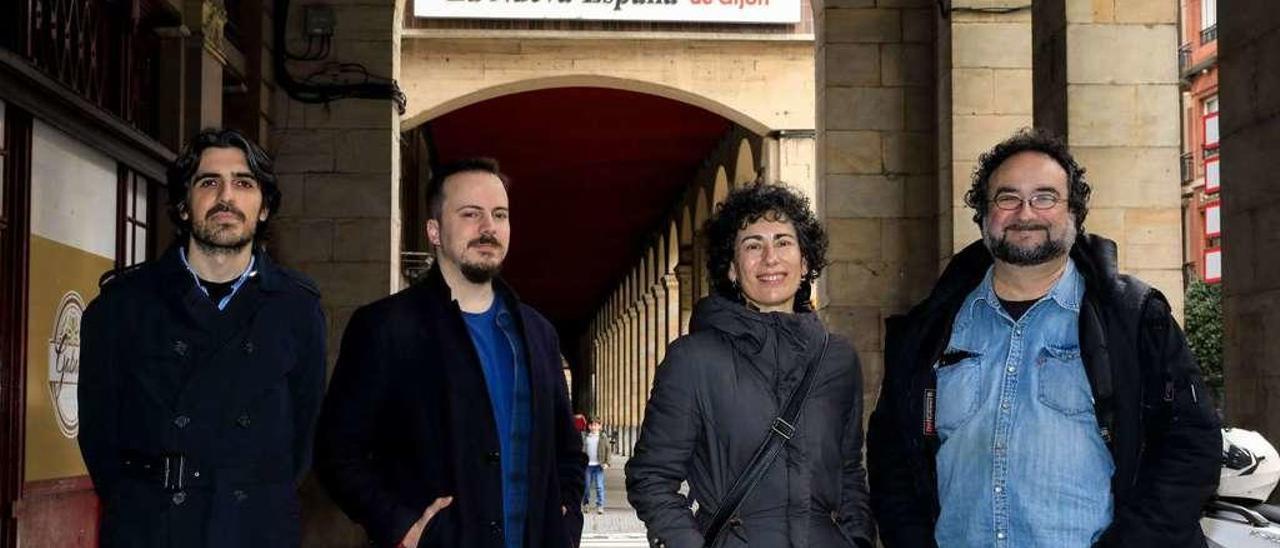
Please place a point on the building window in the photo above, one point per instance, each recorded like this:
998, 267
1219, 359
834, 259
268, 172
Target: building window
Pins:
1213, 220
1210, 117
1213, 265
1208, 21
136, 218
1212, 177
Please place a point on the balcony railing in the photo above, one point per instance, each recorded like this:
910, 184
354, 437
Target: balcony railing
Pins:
415, 264
1184, 57
1188, 167
1209, 34
96, 48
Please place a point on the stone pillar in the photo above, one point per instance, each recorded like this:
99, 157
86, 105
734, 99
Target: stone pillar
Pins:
664, 320
1105, 79
984, 81
203, 64
876, 127
675, 316
1249, 39
791, 158
612, 379
646, 313
629, 376
684, 279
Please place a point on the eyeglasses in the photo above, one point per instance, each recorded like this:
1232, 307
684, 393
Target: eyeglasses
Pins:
1013, 202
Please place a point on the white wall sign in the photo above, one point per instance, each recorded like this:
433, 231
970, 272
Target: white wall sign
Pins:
696, 11
64, 363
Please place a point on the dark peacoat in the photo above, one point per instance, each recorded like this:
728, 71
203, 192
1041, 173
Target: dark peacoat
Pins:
408, 419
223, 401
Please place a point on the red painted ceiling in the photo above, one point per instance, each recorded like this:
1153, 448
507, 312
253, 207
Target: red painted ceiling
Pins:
594, 173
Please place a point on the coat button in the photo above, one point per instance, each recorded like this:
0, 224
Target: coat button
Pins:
180, 348
495, 527
179, 498
248, 347
243, 420
239, 495
181, 421
493, 457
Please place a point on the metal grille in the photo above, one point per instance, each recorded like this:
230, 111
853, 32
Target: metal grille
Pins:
70, 42
1209, 35
98, 50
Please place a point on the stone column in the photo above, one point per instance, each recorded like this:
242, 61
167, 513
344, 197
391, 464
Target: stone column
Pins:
650, 342
984, 81
791, 157
675, 316
1249, 38
1105, 79
629, 376
877, 135
684, 277
645, 314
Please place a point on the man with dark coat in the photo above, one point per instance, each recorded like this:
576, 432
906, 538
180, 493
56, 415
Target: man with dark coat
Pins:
448, 423
202, 372
1038, 397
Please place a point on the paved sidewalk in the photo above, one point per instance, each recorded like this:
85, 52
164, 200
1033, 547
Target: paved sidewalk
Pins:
618, 517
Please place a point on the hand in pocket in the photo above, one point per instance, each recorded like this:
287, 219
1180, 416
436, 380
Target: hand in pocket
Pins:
415, 532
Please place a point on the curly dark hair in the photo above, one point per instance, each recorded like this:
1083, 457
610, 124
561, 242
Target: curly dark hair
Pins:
1024, 140
185, 165
748, 204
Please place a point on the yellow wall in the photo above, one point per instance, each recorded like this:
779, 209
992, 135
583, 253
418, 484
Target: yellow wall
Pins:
56, 269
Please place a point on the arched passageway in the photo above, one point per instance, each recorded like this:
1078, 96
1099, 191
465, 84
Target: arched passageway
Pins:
604, 182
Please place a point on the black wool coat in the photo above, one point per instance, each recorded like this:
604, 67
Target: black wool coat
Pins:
408, 419
230, 396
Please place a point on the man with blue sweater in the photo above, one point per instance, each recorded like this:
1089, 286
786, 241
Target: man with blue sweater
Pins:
448, 422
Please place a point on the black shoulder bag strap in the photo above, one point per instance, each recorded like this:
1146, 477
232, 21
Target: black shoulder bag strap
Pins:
783, 429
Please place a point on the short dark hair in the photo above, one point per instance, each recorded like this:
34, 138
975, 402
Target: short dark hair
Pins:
1033, 140
185, 165
435, 191
748, 204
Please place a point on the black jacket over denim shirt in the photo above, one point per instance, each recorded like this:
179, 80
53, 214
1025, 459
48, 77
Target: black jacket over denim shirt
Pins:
408, 419
1152, 407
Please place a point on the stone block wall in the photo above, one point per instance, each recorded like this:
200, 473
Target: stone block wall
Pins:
1249, 46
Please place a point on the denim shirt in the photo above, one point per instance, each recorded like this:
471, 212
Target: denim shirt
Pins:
1022, 462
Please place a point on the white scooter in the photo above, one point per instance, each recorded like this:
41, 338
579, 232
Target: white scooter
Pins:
1238, 516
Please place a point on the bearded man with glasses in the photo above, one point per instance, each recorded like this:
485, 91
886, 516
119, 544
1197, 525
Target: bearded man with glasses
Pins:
1038, 397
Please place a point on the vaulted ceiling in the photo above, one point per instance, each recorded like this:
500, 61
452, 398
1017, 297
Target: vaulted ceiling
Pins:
595, 172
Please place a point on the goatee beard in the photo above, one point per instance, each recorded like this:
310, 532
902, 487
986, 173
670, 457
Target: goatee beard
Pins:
209, 242
1047, 251
479, 273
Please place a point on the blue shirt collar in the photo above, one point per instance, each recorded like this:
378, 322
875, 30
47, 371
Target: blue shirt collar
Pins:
1067, 292
249, 272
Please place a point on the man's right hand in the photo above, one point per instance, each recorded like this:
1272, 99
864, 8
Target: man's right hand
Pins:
415, 532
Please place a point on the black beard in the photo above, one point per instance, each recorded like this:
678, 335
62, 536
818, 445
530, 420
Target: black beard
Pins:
1040, 254
207, 239
479, 273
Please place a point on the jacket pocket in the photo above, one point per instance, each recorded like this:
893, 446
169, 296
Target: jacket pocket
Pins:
959, 389
1062, 385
